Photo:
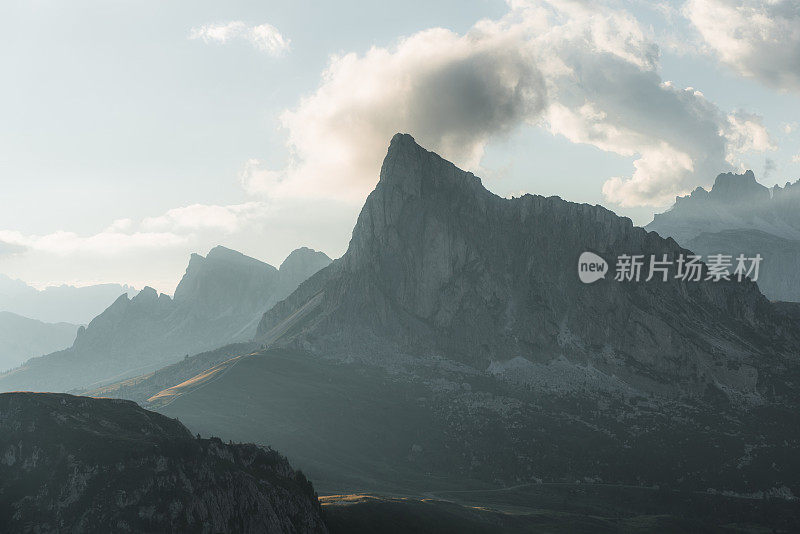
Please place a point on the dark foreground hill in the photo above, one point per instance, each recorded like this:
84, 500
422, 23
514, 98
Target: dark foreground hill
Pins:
76, 464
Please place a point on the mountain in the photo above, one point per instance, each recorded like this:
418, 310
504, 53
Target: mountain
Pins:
453, 347
22, 338
58, 304
75, 464
439, 265
218, 301
740, 216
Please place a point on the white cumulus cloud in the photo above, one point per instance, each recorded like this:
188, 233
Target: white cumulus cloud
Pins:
757, 38
582, 70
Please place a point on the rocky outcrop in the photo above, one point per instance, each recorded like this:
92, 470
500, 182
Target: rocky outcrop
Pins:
76, 464
438, 265
219, 301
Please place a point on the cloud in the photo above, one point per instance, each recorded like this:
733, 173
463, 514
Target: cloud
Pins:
154, 251
582, 70
759, 39
264, 37
176, 227
267, 38
746, 132
219, 33
207, 217
108, 242
452, 92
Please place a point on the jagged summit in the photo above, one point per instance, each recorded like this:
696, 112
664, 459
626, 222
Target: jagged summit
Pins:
301, 256
473, 307
439, 265
735, 202
220, 253
219, 300
732, 189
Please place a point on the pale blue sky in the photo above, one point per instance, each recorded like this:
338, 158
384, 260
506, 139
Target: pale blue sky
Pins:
109, 112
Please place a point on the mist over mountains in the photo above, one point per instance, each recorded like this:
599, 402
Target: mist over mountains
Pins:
218, 301
57, 304
22, 338
740, 216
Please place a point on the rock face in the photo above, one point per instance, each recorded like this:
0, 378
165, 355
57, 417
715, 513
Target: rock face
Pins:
76, 464
740, 216
22, 338
219, 301
439, 265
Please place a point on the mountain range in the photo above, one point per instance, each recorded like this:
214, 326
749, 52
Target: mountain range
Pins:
218, 301
58, 304
453, 347
740, 216
454, 353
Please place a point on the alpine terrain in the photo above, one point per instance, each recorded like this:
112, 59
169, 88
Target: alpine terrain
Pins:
219, 301
453, 347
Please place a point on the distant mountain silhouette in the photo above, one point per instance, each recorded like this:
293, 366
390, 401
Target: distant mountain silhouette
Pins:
102, 465
740, 216
454, 344
22, 338
219, 301
58, 304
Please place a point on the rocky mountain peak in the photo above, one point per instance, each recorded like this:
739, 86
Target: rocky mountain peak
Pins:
299, 258
439, 265
145, 296
739, 188
225, 255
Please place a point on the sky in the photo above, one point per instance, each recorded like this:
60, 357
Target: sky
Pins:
135, 132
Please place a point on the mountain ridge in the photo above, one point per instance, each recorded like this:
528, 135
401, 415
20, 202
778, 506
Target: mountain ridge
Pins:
740, 216
454, 344
218, 301
433, 250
